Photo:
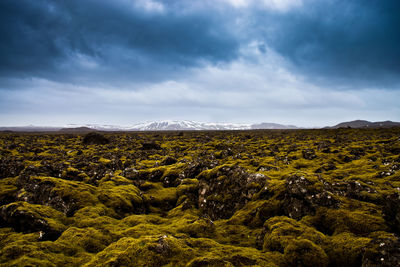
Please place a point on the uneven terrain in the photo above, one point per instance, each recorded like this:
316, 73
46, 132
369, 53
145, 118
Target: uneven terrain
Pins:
226, 198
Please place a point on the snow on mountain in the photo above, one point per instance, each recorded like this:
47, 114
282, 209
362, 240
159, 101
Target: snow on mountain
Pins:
184, 125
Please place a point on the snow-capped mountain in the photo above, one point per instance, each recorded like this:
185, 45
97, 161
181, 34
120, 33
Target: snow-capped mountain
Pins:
186, 125
183, 125
151, 126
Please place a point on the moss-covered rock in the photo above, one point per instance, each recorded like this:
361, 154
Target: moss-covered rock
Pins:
226, 189
25, 217
62, 195
123, 199
144, 251
280, 232
88, 239
255, 198
303, 252
8, 190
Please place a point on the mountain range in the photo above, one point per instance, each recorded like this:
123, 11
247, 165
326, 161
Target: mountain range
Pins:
366, 124
191, 125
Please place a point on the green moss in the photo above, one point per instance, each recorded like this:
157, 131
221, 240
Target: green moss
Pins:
27, 261
249, 214
282, 231
303, 252
105, 162
88, 239
345, 249
341, 220
158, 197
145, 251
34, 214
117, 220
8, 190
197, 228
187, 186
77, 193
115, 179
123, 199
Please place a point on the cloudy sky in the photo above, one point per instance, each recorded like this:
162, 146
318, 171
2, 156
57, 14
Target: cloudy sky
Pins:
302, 62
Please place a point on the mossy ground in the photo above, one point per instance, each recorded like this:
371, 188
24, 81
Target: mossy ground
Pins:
236, 198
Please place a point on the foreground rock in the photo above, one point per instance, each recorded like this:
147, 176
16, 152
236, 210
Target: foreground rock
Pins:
302, 197
95, 139
25, 217
226, 189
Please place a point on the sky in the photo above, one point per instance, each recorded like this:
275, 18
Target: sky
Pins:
309, 63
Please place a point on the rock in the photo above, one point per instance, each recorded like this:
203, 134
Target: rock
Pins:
95, 139
226, 189
352, 189
28, 218
302, 198
162, 246
196, 167
8, 190
10, 167
326, 167
357, 152
391, 211
382, 252
62, 195
303, 252
168, 161
309, 154
263, 168
150, 146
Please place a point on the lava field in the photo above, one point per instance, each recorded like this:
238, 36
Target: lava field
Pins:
327, 197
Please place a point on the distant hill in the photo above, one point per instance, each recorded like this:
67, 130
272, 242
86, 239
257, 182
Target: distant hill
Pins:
266, 125
190, 125
30, 128
366, 124
77, 129
187, 125
153, 126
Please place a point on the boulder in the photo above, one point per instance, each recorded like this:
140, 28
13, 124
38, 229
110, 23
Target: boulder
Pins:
226, 189
309, 154
95, 139
391, 211
28, 218
302, 197
382, 252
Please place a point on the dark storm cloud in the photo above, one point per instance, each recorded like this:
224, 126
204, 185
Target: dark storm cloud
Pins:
90, 39
350, 42
337, 42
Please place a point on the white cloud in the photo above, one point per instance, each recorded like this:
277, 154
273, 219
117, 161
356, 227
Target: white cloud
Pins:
279, 5
247, 90
147, 5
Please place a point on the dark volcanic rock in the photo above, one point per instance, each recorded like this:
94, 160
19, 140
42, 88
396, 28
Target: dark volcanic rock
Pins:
195, 167
95, 139
352, 189
309, 154
16, 215
10, 167
150, 146
227, 189
382, 252
326, 167
302, 197
168, 161
53, 192
391, 211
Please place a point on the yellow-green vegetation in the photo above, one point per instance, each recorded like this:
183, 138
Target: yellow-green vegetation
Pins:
234, 198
